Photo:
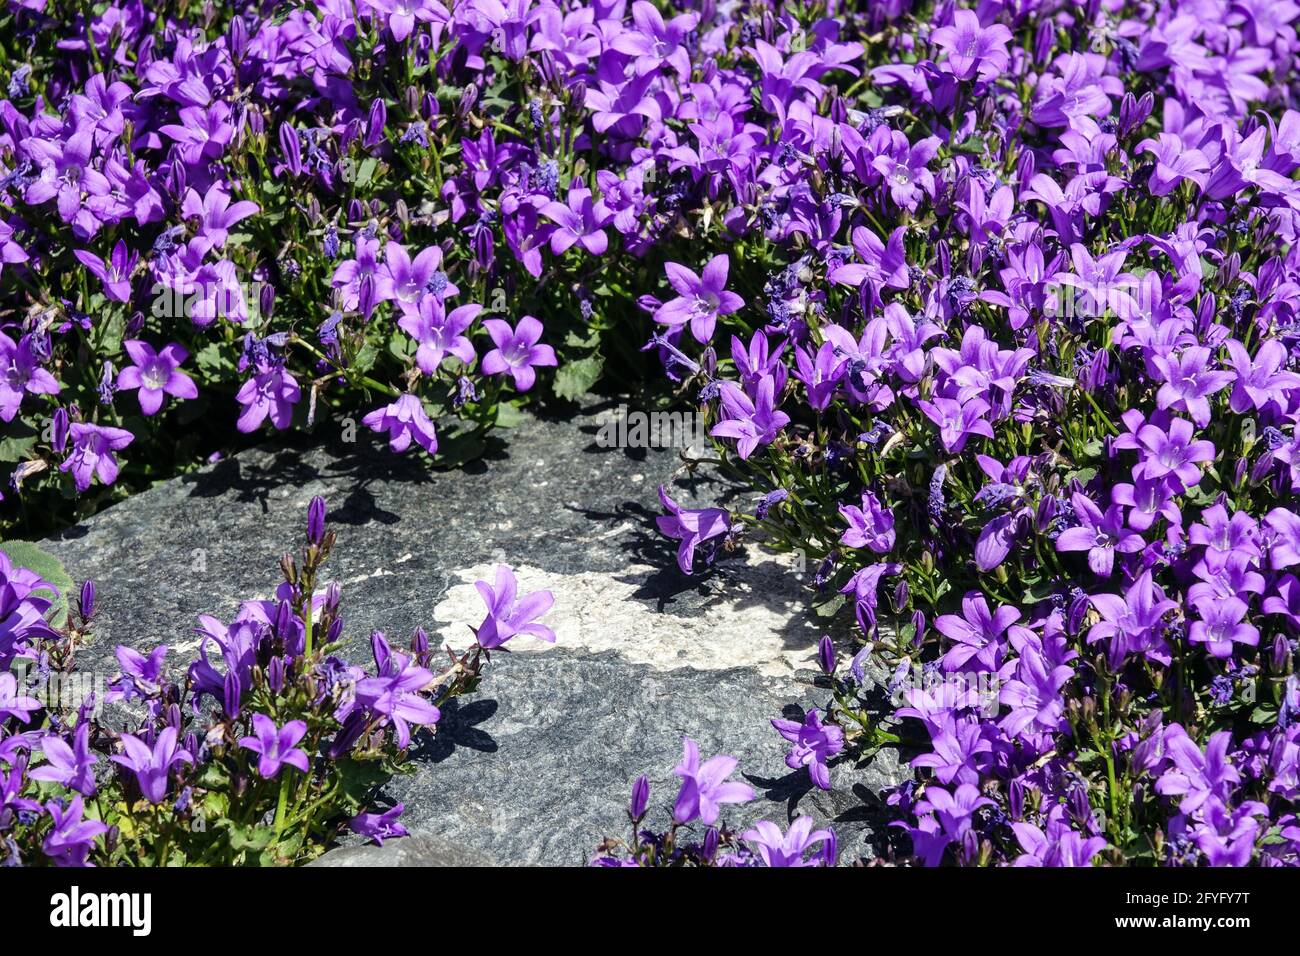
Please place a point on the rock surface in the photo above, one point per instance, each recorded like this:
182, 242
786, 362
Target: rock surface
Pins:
535, 767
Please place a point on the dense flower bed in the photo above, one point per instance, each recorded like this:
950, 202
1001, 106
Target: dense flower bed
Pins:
267, 748
993, 305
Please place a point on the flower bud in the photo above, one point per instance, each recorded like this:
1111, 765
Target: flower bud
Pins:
640, 798
291, 149
266, 300
710, 847
1281, 654
375, 122
87, 604
316, 520
468, 97
237, 38
275, 674
826, 655
59, 430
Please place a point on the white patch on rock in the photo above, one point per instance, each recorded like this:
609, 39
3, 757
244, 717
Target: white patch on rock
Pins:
756, 617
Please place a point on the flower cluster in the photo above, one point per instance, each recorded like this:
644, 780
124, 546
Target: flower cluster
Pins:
704, 789
994, 305
263, 751
1022, 382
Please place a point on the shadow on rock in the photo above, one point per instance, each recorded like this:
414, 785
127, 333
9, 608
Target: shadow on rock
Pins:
458, 728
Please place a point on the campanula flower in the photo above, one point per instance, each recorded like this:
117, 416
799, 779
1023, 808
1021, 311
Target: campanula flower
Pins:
692, 527
405, 421
508, 614
518, 351
814, 744
276, 746
701, 299
705, 786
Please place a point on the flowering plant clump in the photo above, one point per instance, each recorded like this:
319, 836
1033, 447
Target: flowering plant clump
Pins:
268, 747
993, 306
704, 790
1022, 384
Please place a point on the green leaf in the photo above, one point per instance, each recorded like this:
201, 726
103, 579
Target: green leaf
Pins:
212, 359
509, 416
366, 172
575, 378
27, 555
365, 358
250, 837
18, 445
829, 608
460, 449
357, 779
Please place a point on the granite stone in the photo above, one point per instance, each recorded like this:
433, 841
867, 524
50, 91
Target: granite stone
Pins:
535, 767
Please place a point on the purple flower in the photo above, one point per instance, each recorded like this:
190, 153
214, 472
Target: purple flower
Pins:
1034, 694
276, 745
1147, 499
1260, 381
1188, 383
814, 744
1222, 624
788, 849
271, 392
691, 526
69, 766
752, 422
977, 633
215, 213
202, 133
358, 272
141, 676
973, 49
1132, 623
1174, 163
705, 787
701, 299
957, 421
865, 586
1223, 536
1166, 452
92, 453
1197, 777
152, 766
404, 420
903, 167
114, 274
380, 826
517, 350
581, 221
1101, 535
21, 374
71, 839
439, 333
406, 281
67, 174
156, 374
1060, 846
871, 526
12, 704
508, 614
395, 695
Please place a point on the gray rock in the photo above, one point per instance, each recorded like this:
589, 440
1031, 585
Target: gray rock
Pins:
535, 767
416, 850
